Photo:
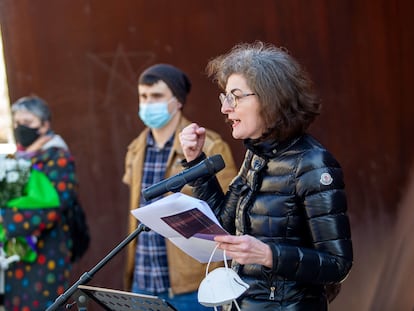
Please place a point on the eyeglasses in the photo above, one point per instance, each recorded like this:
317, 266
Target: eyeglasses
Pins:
232, 99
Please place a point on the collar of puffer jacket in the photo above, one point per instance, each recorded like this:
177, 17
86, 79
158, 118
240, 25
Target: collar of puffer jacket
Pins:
269, 148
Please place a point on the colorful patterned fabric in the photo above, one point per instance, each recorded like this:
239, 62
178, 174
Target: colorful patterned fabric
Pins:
39, 192
35, 286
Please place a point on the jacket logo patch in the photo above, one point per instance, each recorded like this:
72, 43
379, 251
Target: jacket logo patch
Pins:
326, 179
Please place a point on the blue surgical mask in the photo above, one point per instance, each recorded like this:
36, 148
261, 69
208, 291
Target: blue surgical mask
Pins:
155, 115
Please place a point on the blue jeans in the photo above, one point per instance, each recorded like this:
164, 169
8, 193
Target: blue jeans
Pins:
181, 302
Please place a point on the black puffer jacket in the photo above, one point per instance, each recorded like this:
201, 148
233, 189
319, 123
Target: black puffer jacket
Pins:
291, 196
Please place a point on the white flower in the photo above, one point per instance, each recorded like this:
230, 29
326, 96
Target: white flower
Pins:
14, 174
2, 172
12, 177
10, 164
24, 164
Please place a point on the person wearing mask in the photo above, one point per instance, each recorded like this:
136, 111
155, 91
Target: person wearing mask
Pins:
155, 266
286, 209
35, 281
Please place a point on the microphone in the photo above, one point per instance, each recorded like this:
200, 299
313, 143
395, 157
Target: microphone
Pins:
175, 183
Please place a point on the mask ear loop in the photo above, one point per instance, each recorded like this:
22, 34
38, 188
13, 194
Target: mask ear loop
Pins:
176, 108
226, 266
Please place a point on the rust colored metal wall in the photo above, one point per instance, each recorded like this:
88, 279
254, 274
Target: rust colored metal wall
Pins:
84, 57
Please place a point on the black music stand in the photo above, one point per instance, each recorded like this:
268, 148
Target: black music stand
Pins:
116, 300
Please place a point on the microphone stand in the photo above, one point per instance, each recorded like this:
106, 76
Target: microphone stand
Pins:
87, 276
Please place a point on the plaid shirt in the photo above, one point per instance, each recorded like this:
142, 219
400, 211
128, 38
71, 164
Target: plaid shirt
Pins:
151, 266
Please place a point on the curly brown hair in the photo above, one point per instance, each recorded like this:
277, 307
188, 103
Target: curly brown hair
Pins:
285, 91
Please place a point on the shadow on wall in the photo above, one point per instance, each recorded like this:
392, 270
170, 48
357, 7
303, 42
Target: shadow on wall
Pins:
382, 277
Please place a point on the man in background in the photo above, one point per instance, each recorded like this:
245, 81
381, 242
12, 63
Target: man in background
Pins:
154, 265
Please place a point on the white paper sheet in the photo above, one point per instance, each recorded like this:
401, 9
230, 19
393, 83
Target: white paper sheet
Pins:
187, 222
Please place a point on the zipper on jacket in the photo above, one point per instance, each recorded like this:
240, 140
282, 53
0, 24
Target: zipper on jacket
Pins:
272, 293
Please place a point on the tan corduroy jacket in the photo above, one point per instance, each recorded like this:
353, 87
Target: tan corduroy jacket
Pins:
185, 272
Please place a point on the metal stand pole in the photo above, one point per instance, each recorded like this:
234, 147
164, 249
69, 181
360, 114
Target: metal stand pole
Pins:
87, 276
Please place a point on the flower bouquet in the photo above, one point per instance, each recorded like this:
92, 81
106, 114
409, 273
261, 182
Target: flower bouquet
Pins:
14, 174
22, 186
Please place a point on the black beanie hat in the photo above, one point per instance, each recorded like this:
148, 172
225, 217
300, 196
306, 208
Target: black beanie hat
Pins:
176, 80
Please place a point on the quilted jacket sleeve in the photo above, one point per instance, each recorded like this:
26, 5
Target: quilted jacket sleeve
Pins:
320, 188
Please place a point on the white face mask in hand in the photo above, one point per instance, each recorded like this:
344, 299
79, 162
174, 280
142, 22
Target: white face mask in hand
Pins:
221, 286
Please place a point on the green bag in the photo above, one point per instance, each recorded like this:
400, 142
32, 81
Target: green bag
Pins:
39, 193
